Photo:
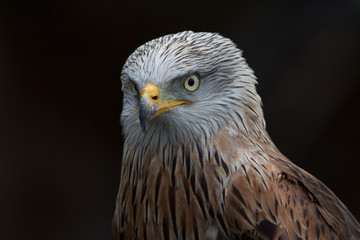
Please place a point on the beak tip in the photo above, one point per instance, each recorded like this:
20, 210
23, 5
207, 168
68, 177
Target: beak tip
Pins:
143, 126
145, 113
143, 121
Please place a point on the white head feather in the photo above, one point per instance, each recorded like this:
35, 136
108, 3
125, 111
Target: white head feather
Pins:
226, 96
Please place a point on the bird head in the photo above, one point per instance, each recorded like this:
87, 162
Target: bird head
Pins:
186, 86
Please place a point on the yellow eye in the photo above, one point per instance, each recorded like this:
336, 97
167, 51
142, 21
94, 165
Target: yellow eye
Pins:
191, 83
134, 89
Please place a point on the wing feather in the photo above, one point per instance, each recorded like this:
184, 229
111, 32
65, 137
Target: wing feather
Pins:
335, 213
293, 203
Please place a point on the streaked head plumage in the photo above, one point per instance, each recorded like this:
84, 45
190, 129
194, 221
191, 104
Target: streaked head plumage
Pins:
226, 83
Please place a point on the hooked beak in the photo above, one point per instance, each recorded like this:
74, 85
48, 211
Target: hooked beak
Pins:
151, 104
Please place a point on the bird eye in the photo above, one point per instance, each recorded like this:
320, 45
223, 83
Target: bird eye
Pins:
134, 89
192, 83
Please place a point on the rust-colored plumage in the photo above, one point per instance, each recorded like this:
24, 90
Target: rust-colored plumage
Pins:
204, 167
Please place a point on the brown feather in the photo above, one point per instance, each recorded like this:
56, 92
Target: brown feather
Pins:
267, 197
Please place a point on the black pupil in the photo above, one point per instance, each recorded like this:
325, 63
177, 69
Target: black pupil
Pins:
191, 82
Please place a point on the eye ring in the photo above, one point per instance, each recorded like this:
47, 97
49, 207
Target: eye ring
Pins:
134, 89
191, 83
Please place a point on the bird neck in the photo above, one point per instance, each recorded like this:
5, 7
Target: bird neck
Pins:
187, 159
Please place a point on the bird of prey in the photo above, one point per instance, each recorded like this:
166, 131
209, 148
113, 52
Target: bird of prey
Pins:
198, 162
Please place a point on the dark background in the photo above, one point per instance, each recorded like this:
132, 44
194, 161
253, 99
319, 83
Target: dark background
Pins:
60, 98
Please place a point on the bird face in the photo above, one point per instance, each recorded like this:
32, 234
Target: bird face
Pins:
153, 104
183, 86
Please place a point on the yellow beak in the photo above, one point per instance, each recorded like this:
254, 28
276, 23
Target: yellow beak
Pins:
151, 105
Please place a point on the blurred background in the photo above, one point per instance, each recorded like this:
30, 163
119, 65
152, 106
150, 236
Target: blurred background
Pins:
60, 97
